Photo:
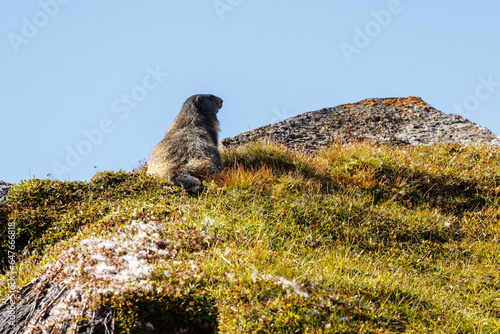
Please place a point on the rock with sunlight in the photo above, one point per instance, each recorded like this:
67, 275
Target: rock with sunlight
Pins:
334, 221
391, 121
4, 190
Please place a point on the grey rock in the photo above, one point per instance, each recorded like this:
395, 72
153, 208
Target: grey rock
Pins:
391, 121
4, 190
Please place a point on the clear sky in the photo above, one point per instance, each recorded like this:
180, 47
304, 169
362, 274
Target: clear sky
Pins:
90, 86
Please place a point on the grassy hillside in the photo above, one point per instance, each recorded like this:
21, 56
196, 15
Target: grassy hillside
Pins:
358, 238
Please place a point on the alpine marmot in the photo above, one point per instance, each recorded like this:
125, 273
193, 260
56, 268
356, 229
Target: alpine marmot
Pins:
189, 150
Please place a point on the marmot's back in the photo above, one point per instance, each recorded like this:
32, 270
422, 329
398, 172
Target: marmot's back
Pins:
189, 150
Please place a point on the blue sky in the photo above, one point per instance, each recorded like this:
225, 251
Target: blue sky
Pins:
89, 86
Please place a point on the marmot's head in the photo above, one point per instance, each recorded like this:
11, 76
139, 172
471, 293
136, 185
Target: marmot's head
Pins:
205, 102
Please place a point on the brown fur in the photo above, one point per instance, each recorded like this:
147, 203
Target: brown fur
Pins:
189, 150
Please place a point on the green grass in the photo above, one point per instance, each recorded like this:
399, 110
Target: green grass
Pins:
357, 238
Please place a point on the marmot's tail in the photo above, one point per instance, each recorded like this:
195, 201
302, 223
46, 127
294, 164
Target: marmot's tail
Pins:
188, 182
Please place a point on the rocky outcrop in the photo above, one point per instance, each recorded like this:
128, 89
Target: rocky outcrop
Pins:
4, 190
75, 293
392, 121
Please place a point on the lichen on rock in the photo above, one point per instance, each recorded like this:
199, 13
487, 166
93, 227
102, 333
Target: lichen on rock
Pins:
390, 121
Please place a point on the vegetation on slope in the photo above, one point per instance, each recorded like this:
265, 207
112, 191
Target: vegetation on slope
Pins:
357, 238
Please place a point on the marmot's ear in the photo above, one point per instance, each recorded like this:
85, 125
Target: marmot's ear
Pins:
197, 99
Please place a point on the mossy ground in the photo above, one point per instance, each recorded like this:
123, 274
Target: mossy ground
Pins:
357, 238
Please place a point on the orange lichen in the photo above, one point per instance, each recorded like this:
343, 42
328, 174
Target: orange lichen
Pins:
370, 102
416, 100
395, 101
404, 101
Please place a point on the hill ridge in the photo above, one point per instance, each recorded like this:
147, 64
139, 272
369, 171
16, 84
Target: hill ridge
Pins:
392, 121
